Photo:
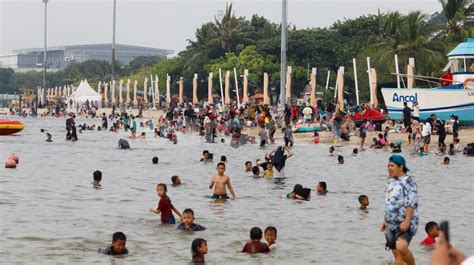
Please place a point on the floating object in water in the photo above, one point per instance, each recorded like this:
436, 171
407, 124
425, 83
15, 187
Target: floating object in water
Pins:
10, 163
15, 158
310, 128
8, 127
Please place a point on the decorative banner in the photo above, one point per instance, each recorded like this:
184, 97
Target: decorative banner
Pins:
135, 87
128, 91
245, 98
288, 83
145, 88
227, 88
106, 99
98, 88
195, 97
120, 92
168, 93
313, 87
266, 98
157, 91
340, 87
180, 95
373, 74
410, 79
209, 89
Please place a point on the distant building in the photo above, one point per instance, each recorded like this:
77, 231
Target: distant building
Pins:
61, 56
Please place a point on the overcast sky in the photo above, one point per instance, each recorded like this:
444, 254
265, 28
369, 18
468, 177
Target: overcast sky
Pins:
165, 24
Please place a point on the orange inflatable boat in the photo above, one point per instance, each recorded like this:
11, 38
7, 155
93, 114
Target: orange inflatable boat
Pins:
8, 127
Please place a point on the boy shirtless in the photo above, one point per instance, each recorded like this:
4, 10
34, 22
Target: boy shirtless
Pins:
220, 181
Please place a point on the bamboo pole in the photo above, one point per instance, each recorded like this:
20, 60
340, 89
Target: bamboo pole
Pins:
373, 74
370, 81
145, 90
222, 91
288, 83
120, 92
340, 86
135, 87
327, 80
236, 87
128, 91
397, 71
180, 95
245, 98
106, 98
168, 88
356, 82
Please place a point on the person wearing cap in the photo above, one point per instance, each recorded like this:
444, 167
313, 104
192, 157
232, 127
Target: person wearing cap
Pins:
401, 210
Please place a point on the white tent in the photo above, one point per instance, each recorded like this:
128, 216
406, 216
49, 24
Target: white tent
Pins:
85, 92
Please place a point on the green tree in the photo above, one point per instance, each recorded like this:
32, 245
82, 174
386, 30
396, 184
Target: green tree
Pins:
455, 12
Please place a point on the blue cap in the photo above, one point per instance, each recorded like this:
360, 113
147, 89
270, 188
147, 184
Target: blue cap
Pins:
399, 160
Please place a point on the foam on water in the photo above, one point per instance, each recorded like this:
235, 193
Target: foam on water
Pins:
51, 214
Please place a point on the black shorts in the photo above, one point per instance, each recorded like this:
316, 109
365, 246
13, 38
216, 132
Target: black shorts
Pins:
220, 197
391, 237
427, 139
262, 143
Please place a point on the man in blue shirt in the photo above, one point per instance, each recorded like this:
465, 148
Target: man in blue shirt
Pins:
401, 210
188, 222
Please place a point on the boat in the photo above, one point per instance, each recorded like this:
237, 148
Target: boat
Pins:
444, 101
8, 127
367, 113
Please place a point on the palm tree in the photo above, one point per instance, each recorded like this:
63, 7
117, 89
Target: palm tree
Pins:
455, 12
230, 31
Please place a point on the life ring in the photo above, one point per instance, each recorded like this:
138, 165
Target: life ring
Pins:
469, 83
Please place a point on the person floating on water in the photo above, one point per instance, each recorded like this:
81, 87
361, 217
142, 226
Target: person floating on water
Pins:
118, 247
97, 178
176, 180
154, 160
299, 193
220, 182
164, 206
206, 156
322, 188
188, 222
401, 211
255, 246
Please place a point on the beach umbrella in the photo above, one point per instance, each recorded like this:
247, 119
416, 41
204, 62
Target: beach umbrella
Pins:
195, 97
288, 82
266, 98
157, 91
340, 87
245, 98
128, 91
135, 86
373, 77
313, 87
227, 88
209, 89
168, 84
145, 88
180, 86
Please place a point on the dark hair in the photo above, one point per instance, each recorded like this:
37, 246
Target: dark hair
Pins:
223, 158
446, 158
154, 160
331, 148
456, 140
174, 179
362, 197
430, 225
355, 151
248, 162
255, 233
221, 163
188, 210
451, 145
380, 135
255, 170
97, 175
162, 185
271, 228
392, 145
205, 152
340, 158
119, 236
323, 185
196, 244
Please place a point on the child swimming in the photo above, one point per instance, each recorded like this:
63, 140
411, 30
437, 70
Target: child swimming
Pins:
432, 229
198, 250
256, 172
340, 159
355, 151
219, 182
188, 222
206, 156
331, 150
118, 247
255, 246
248, 166
321, 188
97, 179
164, 206
446, 160
316, 138
176, 180
270, 235
364, 202
154, 160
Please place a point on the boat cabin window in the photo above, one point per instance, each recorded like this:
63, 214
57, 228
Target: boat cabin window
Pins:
457, 65
470, 64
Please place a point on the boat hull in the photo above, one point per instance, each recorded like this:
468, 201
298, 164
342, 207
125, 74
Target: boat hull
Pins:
8, 127
443, 102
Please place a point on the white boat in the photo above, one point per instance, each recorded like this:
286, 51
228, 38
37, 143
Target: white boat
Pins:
444, 101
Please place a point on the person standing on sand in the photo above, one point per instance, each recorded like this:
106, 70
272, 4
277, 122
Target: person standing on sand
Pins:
362, 133
401, 211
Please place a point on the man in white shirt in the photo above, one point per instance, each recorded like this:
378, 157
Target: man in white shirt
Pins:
426, 134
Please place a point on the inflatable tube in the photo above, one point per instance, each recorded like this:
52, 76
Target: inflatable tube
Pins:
307, 129
8, 127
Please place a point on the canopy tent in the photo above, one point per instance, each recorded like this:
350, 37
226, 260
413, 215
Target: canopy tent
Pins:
85, 92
